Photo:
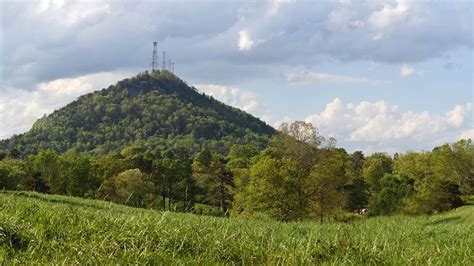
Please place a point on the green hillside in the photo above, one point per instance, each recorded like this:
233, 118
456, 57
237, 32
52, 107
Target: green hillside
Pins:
41, 229
156, 111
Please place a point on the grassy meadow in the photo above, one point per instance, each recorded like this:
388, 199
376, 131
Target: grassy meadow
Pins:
45, 229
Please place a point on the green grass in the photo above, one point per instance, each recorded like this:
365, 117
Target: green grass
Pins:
44, 229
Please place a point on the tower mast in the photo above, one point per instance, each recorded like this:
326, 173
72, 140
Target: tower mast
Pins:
154, 59
163, 66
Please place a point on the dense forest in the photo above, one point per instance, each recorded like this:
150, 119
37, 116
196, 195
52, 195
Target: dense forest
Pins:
294, 178
154, 142
154, 110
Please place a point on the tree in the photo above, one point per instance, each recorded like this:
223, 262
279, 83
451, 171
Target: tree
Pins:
455, 163
137, 157
173, 175
279, 182
211, 174
326, 188
12, 172
435, 186
394, 190
130, 187
239, 162
357, 188
273, 190
110, 164
302, 132
375, 167
81, 175
47, 166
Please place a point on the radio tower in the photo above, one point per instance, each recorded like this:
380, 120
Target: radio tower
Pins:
154, 59
172, 67
169, 64
163, 66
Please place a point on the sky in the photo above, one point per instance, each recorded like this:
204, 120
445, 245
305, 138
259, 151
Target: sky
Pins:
387, 76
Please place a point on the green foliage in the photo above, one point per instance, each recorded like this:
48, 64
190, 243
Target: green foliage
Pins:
358, 193
43, 229
440, 177
326, 186
375, 167
155, 111
239, 161
174, 177
11, 173
48, 165
82, 178
272, 191
394, 189
294, 180
357, 189
129, 187
212, 176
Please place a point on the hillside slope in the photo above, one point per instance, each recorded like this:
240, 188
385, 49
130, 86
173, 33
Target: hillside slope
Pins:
44, 229
155, 110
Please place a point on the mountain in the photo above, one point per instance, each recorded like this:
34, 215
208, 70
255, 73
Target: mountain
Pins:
155, 110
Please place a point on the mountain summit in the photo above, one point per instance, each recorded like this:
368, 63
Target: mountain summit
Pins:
155, 110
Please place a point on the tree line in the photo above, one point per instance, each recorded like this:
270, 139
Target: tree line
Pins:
298, 176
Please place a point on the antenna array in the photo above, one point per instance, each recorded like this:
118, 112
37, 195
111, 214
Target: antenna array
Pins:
165, 65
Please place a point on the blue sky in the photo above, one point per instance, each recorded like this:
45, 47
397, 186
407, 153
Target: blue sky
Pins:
376, 75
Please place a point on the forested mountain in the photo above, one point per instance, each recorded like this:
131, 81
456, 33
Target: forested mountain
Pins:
154, 110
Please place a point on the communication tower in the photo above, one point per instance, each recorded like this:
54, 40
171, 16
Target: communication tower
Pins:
163, 66
154, 59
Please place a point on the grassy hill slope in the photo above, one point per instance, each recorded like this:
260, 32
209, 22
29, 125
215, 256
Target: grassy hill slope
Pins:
37, 228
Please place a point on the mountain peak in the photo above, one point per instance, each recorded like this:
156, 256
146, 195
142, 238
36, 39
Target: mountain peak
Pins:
156, 110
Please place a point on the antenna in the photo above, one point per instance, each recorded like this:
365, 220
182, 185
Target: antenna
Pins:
163, 66
154, 59
169, 64
172, 67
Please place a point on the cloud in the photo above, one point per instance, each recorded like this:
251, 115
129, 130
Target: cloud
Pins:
275, 6
242, 99
384, 127
245, 100
48, 40
388, 15
317, 78
467, 134
19, 109
458, 115
406, 71
245, 41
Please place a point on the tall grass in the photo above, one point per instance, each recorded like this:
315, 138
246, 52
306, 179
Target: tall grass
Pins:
44, 229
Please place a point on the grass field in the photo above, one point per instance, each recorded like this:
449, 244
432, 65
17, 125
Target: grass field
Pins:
44, 229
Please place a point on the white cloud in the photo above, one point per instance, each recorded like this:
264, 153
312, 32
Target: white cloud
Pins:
317, 78
467, 134
383, 126
242, 99
406, 71
245, 41
388, 15
275, 6
458, 115
72, 12
245, 100
19, 109
70, 38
